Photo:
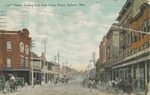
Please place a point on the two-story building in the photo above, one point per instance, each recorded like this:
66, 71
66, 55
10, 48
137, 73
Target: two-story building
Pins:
43, 70
15, 53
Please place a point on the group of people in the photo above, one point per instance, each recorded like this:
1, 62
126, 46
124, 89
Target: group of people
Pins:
62, 80
119, 84
90, 83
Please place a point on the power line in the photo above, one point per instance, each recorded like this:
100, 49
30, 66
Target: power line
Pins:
128, 29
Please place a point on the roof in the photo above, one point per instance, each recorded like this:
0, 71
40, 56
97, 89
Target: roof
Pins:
43, 57
54, 63
124, 9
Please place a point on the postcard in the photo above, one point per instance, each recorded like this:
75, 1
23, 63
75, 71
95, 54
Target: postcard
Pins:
74, 47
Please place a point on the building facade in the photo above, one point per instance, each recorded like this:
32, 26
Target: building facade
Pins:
133, 57
102, 58
112, 50
43, 70
134, 43
15, 53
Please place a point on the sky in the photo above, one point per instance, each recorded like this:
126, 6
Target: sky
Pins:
74, 28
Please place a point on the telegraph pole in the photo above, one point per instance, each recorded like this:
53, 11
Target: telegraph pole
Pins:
44, 42
32, 74
66, 69
63, 69
58, 64
70, 70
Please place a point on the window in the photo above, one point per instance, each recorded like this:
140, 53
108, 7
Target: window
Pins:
21, 61
149, 25
26, 63
8, 45
144, 26
27, 49
8, 61
21, 47
135, 36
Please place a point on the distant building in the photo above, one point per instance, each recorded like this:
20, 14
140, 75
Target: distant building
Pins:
55, 68
43, 70
112, 50
15, 53
102, 58
36, 68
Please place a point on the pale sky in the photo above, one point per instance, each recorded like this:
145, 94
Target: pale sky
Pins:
74, 28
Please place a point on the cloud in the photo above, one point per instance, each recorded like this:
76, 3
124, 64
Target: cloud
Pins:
112, 16
96, 7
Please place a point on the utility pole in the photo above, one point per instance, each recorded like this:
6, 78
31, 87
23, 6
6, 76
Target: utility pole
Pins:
58, 64
70, 70
55, 58
66, 69
31, 51
63, 69
44, 42
93, 54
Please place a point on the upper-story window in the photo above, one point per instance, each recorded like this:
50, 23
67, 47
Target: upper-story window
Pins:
27, 62
9, 61
8, 45
21, 47
144, 26
27, 49
21, 61
149, 25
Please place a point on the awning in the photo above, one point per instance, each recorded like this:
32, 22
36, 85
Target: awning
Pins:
132, 62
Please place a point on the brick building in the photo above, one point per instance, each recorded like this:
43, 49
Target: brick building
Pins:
15, 53
133, 58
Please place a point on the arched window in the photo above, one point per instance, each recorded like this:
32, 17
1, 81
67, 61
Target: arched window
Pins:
21, 47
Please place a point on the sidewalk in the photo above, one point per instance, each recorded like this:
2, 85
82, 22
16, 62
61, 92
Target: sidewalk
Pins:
103, 89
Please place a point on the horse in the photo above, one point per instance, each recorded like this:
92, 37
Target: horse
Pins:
126, 86
10, 86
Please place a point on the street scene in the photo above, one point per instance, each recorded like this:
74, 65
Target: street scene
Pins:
75, 47
73, 87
